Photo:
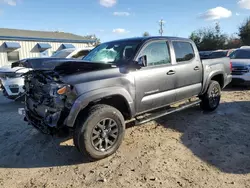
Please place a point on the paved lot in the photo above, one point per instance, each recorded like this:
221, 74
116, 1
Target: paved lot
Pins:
186, 149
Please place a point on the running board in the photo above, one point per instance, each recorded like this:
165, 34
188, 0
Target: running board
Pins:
162, 113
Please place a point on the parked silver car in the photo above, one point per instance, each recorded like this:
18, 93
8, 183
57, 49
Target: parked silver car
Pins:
241, 66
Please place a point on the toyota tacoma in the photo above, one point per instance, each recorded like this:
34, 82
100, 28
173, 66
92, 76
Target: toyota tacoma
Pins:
136, 79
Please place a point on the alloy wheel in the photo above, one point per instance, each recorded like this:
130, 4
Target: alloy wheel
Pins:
104, 134
214, 97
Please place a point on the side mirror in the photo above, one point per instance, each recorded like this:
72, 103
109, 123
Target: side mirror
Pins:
142, 61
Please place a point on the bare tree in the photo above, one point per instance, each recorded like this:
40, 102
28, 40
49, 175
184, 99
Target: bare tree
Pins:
146, 34
244, 32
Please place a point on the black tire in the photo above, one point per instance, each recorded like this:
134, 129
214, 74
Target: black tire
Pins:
86, 131
78, 130
75, 138
211, 99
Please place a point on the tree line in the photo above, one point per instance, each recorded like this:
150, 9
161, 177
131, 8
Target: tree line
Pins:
212, 38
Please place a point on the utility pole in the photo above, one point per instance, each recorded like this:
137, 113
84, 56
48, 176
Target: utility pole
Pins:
161, 26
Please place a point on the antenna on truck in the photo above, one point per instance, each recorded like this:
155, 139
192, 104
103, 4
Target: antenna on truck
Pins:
161, 26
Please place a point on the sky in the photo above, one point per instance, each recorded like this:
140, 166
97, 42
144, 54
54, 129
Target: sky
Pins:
115, 19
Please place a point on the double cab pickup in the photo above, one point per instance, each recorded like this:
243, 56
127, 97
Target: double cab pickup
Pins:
135, 79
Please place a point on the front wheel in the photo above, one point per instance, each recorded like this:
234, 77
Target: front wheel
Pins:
211, 99
100, 133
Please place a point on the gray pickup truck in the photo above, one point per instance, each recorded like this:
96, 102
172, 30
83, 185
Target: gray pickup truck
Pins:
137, 79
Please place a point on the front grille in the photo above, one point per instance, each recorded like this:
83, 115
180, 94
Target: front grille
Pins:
14, 90
36, 90
239, 70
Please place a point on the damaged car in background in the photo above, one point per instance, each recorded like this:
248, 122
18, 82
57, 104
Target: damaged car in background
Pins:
12, 76
137, 79
12, 82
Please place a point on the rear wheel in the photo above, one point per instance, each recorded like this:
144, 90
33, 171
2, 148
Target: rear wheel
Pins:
211, 99
100, 133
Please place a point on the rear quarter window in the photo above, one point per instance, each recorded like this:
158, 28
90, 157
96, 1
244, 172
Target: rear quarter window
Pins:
183, 51
217, 55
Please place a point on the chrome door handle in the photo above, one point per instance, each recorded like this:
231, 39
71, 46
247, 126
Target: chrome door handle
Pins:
196, 68
171, 72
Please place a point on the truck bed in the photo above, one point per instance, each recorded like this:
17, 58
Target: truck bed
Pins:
210, 66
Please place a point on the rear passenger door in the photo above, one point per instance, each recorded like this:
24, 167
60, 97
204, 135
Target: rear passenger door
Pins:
155, 83
188, 70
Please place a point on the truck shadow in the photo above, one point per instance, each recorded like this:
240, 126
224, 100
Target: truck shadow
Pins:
8, 105
22, 146
33, 149
220, 138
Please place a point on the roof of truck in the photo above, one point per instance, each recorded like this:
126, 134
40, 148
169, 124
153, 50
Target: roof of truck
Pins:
143, 39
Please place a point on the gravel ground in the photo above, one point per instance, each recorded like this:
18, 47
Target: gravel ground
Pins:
185, 149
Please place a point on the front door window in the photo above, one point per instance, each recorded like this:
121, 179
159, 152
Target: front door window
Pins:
157, 53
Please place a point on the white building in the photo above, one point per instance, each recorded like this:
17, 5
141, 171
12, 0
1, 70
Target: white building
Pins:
19, 44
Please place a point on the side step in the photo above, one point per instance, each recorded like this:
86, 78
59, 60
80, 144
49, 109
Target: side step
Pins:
155, 115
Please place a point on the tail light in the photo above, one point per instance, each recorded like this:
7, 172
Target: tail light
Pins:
231, 67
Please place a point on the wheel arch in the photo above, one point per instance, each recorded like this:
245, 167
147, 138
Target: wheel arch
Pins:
114, 96
216, 76
219, 78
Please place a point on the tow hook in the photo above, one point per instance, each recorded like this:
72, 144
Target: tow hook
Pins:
20, 96
52, 119
25, 119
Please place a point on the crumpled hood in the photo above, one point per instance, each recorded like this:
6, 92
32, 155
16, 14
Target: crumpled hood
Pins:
73, 66
35, 63
65, 66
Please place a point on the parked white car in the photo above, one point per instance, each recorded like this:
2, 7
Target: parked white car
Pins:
13, 81
77, 53
245, 47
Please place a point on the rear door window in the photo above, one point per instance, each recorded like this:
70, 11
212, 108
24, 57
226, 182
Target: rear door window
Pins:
183, 51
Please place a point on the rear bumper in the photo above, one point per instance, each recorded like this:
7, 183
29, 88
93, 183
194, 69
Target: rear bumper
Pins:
241, 79
228, 80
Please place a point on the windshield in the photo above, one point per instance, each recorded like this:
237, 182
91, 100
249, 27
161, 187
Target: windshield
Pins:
113, 52
62, 54
240, 54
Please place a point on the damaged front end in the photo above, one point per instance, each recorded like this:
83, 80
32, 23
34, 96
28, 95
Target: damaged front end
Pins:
47, 100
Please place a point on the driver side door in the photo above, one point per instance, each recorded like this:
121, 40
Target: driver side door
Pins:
155, 83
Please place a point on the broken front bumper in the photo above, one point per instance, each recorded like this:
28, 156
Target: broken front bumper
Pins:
46, 119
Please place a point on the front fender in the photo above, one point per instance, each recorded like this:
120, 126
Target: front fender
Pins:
83, 100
